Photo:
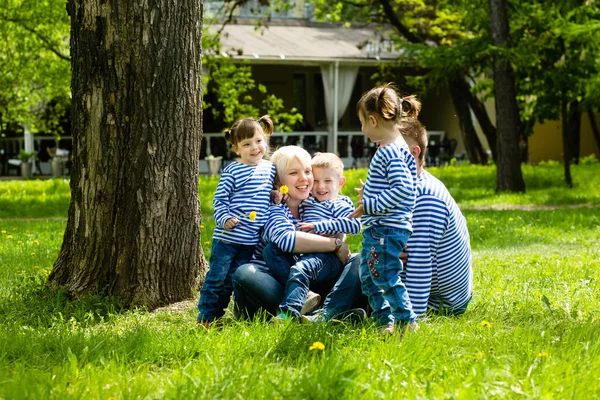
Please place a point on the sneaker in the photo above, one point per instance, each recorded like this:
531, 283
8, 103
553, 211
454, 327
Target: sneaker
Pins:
387, 330
280, 319
312, 319
352, 316
412, 327
312, 301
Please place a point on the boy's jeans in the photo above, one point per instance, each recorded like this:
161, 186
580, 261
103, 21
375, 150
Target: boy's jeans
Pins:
310, 269
225, 258
380, 275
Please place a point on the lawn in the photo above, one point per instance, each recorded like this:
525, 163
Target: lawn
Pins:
531, 330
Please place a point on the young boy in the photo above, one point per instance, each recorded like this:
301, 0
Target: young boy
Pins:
324, 212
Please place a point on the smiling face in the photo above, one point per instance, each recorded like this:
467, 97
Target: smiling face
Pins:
299, 180
252, 150
327, 183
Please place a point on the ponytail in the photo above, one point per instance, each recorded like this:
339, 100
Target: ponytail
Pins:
245, 128
267, 124
410, 106
385, 102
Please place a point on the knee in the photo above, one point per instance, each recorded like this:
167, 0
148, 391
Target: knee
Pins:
244, 274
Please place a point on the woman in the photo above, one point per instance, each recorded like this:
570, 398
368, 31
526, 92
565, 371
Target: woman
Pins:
254, 287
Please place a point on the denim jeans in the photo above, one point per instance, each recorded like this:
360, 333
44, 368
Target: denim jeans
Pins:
255, 291
225, 258
311, 269
380, 275
346, 293
279, 262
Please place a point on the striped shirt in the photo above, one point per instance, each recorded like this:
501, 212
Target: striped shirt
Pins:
281, 227
243, 189
438, 271
331, 216
389, 193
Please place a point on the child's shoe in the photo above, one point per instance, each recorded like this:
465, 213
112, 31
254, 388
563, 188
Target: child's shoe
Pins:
312, 301
204, 324
387, 330
412, 327
281, 318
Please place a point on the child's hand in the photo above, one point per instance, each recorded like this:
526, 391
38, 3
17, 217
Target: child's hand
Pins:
306, 227
358, 212
403, 258
231, 223
360, 190
276, 196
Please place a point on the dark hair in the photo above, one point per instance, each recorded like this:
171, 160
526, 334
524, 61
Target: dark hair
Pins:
246, 128
387, 104
412, 128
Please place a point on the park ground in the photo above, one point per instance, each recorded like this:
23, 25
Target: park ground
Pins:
531, 331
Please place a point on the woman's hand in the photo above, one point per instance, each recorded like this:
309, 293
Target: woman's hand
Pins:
306, 227
343, 253
358, 212
231, 223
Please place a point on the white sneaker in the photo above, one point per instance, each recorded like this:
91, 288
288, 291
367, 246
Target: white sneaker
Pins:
312, 301
387, 330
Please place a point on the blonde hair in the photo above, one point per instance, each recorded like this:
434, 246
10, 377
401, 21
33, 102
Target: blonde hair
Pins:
413, 129
328, 160
385, 102
284, 156
246, 128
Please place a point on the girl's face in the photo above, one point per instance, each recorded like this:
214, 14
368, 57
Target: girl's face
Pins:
299, 180
368, 126
252, 150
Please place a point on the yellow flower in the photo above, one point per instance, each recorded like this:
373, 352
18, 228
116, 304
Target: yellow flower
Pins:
33, 254
201, 226
36, 242
9, 236
486, 324
20, 242
252, 215
3, 231
44, 194
479, 355
317, 346
481, 226
206, 242
510, 219
284, 190
543, 354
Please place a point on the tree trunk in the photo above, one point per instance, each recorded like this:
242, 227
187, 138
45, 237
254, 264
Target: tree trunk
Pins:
567, 154
509, 176
594, 125
473, 147
133, 223
575, 130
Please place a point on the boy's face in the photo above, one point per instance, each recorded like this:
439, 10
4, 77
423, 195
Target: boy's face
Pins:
327, 183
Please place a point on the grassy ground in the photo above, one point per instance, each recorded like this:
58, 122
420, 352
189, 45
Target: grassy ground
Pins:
531, 330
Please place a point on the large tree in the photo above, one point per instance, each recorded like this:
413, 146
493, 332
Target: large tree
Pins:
133, 222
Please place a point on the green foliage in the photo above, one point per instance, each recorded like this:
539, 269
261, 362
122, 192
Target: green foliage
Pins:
530, 331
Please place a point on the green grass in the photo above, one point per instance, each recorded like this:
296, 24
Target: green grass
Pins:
531, 330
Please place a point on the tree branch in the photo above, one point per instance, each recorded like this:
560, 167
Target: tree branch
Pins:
396, 23
47, 42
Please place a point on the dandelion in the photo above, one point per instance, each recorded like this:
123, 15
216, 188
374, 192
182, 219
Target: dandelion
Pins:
20, 242
9, 236
510, 219
252, 216
486, 324
3, 231
207, 243
285, 190
36, 242
479, 355
32, 254
44, 194
543, 355
481, 226
317, 346
201, 226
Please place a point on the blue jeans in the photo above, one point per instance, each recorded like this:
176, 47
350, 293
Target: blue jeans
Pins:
279, 262
346, 293
311, 269
255, 291
380, 275
225, 258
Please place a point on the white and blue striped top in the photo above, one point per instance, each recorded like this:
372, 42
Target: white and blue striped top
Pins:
241, 190
389, 193
331, 216
438, 271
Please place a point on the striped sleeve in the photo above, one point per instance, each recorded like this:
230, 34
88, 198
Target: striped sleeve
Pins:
401, 183
340, 223
279, 229
429, 225
221, 200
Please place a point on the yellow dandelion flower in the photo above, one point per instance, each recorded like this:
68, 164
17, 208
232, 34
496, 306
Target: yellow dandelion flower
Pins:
3, 231
36, 242
481, 226
510, 219
543, 355
317, 346
20, 242
201, 226
479, 355
206, 242
488, 220
252, 215
486, 324
285, 190
33, 254
9, 236
44, 194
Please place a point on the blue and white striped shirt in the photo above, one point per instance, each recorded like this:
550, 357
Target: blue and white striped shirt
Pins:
438, 271
281, 227
389, 193
241, 190
331, 216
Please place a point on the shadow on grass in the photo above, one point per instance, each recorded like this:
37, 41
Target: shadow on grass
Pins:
35, 304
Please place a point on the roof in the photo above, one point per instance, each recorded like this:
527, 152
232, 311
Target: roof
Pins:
298, 44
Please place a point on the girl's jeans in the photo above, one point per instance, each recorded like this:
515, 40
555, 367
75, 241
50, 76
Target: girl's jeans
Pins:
225, 258
380, 275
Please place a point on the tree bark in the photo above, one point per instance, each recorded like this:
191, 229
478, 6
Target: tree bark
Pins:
133, 223
594, 125
509, 176
475, 151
